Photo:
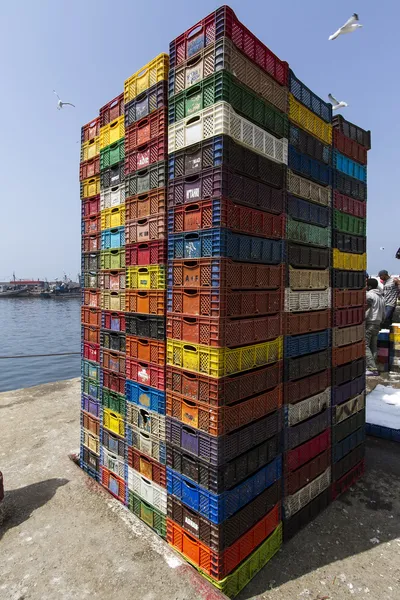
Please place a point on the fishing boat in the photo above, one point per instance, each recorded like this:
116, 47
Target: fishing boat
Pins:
6, 292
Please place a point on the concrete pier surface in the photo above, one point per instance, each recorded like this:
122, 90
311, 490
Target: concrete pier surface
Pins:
64, 538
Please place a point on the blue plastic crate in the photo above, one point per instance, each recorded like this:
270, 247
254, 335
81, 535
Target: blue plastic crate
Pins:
349, 167
348, 444
309, 167
217, 508
145, 396
113, 238
313, 102
387, 433
298, 345
223, 243
342, 393
302, 210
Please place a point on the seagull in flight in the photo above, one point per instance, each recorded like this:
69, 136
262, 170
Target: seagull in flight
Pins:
61, 104
351, 25
336, 104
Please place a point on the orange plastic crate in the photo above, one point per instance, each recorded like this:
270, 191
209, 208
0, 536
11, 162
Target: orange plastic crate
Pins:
145, 205
149, 302
91, 333
91, 316
91, 298
148, 467
147, 350
90, 423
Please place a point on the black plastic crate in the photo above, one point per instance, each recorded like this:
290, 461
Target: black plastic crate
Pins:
220, 479
147, 326
308, 144
113, 341
361, 136
348, 462
112, 176
308, 212
343, 448
348, 280
349, 243
301, 433
306, 515
308, 256
152, 99
348, 372
349, 186
344, 392
348, 426
296, 368
151, 178
310, 100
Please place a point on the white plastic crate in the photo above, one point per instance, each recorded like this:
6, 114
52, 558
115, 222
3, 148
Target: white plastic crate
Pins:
349, 408
309, 279
298, 186
148, 444
146, 420
147, 490
221, 119
343, 336
296, 413
292, 504
306, 301
113, 462
112, 196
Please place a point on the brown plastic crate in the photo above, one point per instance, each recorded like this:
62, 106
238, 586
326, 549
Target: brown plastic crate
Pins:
89, 168
347, 335
345, 354
225, 390
145, 205
90, 423
295, 391
113, 361
297, 479
91, 316
218, 421
149, 302
146, 130
91, 334
112, 110
297, 323
147, 154
148, 467
346, 317
349, 298
146, 350
146, 229
223, 333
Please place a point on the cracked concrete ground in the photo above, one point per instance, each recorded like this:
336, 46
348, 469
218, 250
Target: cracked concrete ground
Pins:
65, 539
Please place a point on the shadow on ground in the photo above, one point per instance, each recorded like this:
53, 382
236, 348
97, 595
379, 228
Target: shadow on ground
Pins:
19, 504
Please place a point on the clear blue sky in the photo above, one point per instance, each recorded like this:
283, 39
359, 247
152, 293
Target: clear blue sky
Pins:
86, 49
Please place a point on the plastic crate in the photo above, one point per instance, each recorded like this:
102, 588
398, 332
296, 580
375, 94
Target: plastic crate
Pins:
145, 396
150, 277
113, 238
306, 256
223, 420
90, 206
113, 381
113, 462
150, 422
219, 362
346, 317
147, 443
305, 344
308, 212
90, 370
91, 316
306, 515
307, 144
153, 252
146, 373
349, 205
91, 334
146, 155
90, 149
91, 351
112, 259
305, 279
348, 280
349, 224
149, 468
112, 110
89, 461
224, 23
141, 349
349, 147
146, 103
345, 354
300, 115
112, 280
112, 132
225, 332
91, 388
309, 167
304, 233
112, 155
307, 322
293, 504
310, 100
309, 407
295, 480
296, 368
343, 484
90, 423
148, 326
215, 302
225, 391
114, 301
348, 372
222, 150
299, 456
90, 130
300, 302
352, 131
113, 341
115, 485
308, 190
114, 422
146, 205
90, 168
90, 187
112, 176
90, 242
349, 243
306, 430
112, 197
340, 450
91, 298
296, 391
91, 280
224, 87
155, 519
341, 412
114, 401
91, 224
348, 186
146, 301
348, 426
348, 390
146, 130
91, 261
221, 119
154, 71
113, 217
351, 262
147, 179
219, 242
348, 462
147, 490
113, 361
221, 181
387, 433
221, 212
91, 440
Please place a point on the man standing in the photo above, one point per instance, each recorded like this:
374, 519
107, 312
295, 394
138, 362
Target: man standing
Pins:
390, 295
374, 316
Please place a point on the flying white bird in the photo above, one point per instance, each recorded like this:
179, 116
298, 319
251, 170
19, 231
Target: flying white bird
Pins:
335, 103
381, 248
350, 26
61, 104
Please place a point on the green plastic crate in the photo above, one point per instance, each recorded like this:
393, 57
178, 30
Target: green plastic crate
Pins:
112, 154
225, 87
349, 224
148, 514
304, 233
114, 401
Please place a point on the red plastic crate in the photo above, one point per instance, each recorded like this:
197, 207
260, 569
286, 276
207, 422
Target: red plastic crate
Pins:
91, 298
90, 423
295, 391
298, 323
147, 129
91, 351
223, 333
91, 242
91, 334
91, 316
224, 23
150, 204
147, 350
91, 206
91, 224
219, 564
297, 479
146, 373
348, 316
349, 147
90, 130
147, 154
113, 361
89, 168
222, 212
148, 467
346, 354
148, 253
114, 321
349, 205
302, 454
219, 421
112, 110
114, 382
345, 482
349, 298
148, 302
115, 485
146, 229
225, 390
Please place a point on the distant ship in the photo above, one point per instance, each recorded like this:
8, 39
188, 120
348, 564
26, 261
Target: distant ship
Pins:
7, 292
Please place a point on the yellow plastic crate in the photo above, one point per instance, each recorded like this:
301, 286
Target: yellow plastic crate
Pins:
111, 300
156, 70
113, 217
112, 132
219, 362
90, 149
395, 337
90, 187
114, 422
151, 277
309, 121
91, 441
349, 262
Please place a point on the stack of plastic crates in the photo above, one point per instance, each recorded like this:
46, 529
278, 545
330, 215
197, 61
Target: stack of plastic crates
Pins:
307, 346
350, 146
385, 351
394, 348
113, 298
226, 202
145, 94
91, 311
